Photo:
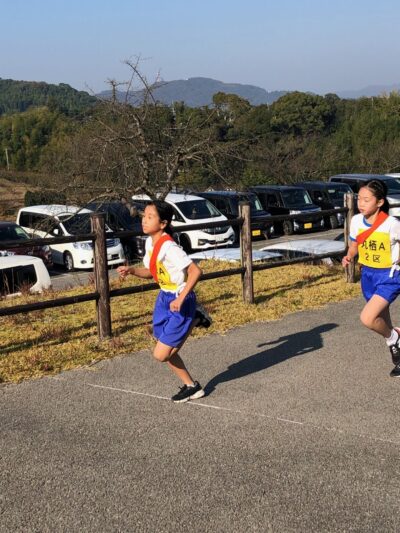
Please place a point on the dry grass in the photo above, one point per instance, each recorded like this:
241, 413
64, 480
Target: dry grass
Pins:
52, 340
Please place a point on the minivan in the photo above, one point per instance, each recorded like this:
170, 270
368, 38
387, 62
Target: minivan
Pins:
290, 200
190, 209
356, 181
119, 218
227, 202
328, 196
45, 221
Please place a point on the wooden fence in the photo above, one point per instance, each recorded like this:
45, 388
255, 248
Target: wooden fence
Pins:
102, 294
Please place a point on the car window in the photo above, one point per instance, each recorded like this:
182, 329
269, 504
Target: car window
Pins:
13, 233
76, 224
177, 216
198, 209
337, 191
393, 185
296, 197
14, 279
255, 204
272, 200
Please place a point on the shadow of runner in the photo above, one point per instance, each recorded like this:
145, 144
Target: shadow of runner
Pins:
292, 345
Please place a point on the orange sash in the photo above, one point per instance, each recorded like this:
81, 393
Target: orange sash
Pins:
154, 255
380, 219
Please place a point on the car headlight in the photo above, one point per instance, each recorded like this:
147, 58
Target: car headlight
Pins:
294, 212
83, 245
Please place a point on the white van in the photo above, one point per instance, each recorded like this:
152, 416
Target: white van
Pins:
22, 271
189, 209
44, 221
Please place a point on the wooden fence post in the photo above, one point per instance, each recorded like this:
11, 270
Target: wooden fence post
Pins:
349, 203
246, 253
101, 276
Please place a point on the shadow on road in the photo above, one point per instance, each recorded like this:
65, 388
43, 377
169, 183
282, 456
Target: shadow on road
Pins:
289, 346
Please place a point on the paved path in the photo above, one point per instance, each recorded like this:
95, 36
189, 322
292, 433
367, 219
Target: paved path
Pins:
300, 431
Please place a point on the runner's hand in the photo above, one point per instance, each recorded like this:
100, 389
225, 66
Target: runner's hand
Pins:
176, 305
123, 271
346, 261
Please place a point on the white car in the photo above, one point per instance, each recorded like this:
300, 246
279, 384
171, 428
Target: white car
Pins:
189, 209
22, 271
44, 221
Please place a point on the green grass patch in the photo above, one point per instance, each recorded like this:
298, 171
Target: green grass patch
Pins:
52, 340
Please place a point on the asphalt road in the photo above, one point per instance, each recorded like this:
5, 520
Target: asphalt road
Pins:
64, 280
299, 432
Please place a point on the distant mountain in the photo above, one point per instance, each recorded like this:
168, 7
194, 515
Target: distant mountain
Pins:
197, 92
371, 90
18, 96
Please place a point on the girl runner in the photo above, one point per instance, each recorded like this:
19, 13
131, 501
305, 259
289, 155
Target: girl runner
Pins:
175, 312
375, 236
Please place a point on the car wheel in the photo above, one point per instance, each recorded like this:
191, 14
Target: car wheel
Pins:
288, 227
69, 262
333, 222
184, 241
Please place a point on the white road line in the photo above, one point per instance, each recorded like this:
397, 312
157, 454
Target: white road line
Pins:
253, 413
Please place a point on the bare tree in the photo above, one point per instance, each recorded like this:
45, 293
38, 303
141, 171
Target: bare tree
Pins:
135, 144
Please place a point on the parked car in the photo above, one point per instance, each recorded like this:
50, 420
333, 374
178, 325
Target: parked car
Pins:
118, 218
10, 231
227, 202
47, 221
190, 209
356, 181
290, 200
22, 272
328, 196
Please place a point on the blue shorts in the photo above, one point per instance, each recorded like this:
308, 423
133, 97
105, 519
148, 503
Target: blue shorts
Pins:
377, 281
171, 327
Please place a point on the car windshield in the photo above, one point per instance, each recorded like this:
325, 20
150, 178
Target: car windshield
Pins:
393, 185
197, 209
255, 204
76, 224
296, 198
13, 233
337, 191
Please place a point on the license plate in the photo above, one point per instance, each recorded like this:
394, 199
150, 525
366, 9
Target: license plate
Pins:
256, 232
308, 225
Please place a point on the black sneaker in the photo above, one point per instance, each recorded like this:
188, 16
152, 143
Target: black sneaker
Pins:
187, 393
395, 373
204, 319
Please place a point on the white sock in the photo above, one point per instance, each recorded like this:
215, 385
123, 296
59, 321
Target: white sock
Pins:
393, 338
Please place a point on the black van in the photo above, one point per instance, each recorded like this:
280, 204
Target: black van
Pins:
228, 203
290, 200
119, 218
356, 181
328, 196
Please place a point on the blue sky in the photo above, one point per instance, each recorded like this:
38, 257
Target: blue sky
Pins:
308, 45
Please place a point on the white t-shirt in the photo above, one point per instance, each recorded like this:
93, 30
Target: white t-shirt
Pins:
381, 248
172, 263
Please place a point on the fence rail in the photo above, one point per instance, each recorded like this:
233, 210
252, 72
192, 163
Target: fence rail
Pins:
103, 294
